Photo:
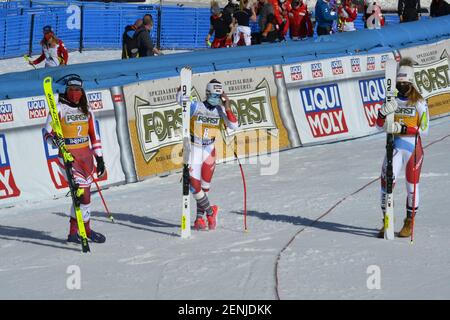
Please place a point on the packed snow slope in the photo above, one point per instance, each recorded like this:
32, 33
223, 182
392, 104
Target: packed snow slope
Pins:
144, 257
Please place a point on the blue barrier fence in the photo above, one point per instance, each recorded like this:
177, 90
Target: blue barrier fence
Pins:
89, 25
105, 74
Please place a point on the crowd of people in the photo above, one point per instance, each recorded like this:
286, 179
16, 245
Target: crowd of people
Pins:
277, 19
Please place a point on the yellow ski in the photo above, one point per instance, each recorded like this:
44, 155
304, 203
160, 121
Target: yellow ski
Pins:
75, 192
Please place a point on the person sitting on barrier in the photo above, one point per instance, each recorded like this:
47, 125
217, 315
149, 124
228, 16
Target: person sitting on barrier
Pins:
300, 25
241, 20
324, 17
221, 25
53, 50
348, 13
143, 39
129, 44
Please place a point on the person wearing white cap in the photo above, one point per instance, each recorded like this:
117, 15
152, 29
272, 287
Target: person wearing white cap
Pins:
411, 121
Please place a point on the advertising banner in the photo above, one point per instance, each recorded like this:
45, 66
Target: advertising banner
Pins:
29, 166
432, 75
155, 118
337, 99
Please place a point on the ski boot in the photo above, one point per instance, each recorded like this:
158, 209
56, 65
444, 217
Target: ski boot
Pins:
212, 217
407, 229
74, 237
96, 237
199, 223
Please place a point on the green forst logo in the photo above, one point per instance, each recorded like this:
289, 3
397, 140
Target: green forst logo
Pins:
433, 78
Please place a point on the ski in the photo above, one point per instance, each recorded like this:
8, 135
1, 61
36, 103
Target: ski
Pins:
75, 192
186, 78
391, 75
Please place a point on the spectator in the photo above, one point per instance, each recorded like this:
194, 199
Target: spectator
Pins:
439, 8
266, 21
231, 7
241, 20
221, 26
324, 17
147, 18
144, 41
129, 44
347, 15
300, 25
53, 50
283, 27
408, 10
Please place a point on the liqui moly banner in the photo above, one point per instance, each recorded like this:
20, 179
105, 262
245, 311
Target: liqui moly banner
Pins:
323, 110
8, 187
337, 111
373, 94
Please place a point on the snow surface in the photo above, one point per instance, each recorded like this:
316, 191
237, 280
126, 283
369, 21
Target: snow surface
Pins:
144, 258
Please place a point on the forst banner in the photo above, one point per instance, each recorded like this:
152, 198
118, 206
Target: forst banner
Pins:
155, 118
432, 74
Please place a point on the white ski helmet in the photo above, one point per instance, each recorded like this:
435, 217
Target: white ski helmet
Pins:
214, 87
405, 74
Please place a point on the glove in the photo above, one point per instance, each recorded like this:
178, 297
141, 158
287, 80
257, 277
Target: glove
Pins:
395, 128
100, 166
388, 107
58, 142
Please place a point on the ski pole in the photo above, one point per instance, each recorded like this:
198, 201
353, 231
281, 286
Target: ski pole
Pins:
245, 191
413, 214
100, 193
27, 59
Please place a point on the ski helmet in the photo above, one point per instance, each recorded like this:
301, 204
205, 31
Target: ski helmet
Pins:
214, 90
47, 29
405, 74
74, 81
74, 89
215, 87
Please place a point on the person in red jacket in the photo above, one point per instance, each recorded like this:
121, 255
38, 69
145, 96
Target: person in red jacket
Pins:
300, 25
348, 13
53, 50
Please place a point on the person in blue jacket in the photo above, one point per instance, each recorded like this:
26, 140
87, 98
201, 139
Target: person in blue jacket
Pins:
324, 17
